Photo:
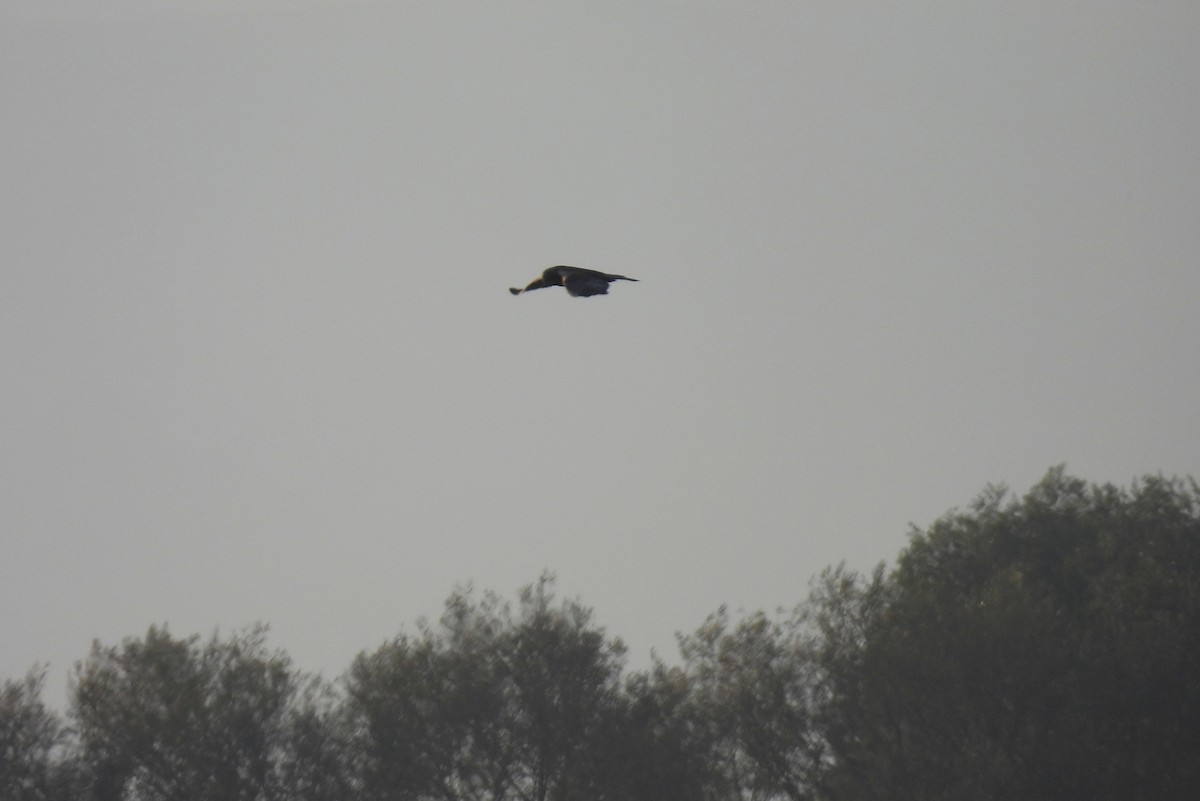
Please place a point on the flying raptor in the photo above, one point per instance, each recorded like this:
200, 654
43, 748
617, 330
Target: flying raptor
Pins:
579, 283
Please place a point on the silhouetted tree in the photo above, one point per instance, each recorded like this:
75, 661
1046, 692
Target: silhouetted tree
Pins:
565, 683
30, 737
1038, 648
662, 751
1045, 648
315, 760
163, 718
491, 705
750, 686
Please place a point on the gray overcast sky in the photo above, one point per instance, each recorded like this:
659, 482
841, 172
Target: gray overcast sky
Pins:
259, 361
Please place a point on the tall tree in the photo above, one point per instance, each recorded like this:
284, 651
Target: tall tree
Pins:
314, 759
164, 718
491, 705
565, 689
30, 735
751, 688
1040, 648
661, 750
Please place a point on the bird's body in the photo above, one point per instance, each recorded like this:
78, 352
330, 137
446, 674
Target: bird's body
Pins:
577, 281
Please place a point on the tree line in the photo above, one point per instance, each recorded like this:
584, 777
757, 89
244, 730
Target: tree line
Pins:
1042, 647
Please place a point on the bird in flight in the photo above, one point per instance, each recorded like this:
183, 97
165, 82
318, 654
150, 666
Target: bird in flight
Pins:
579, 283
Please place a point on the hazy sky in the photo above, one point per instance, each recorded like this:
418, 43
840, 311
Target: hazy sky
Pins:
260, 362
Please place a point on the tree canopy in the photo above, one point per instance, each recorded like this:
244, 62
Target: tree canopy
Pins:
1036, 647
1045, 647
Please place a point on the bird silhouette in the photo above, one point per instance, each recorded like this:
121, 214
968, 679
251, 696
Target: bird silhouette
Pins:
578, 282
